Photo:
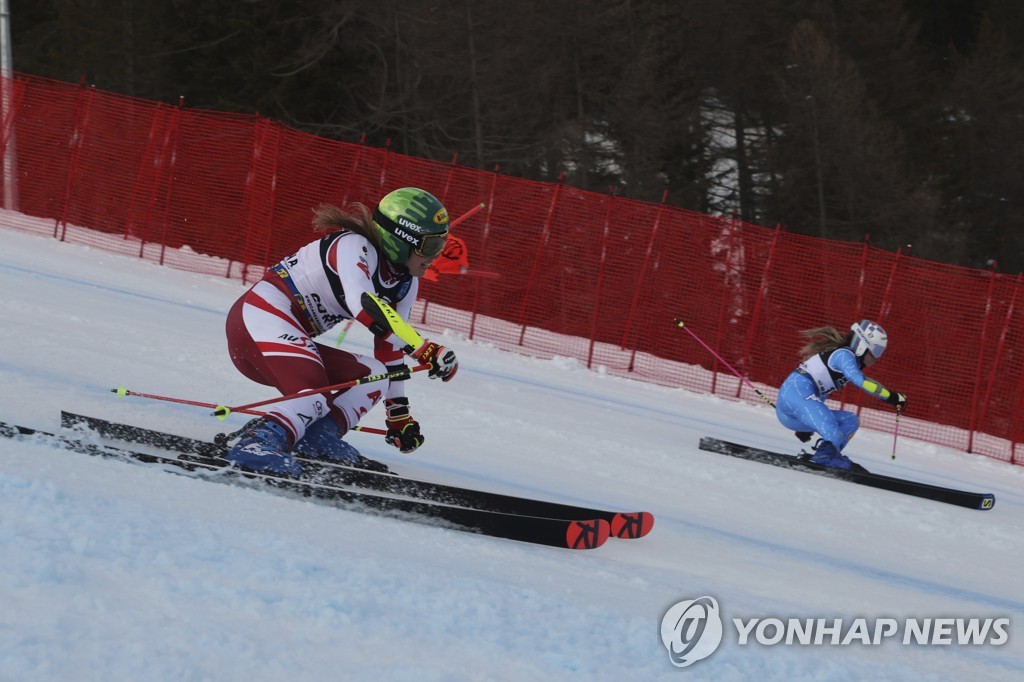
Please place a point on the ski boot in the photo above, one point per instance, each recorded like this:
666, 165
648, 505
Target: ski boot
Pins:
827, 455
262, 447
324, 441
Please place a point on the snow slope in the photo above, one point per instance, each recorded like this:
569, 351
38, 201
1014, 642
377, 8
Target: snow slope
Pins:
118, 572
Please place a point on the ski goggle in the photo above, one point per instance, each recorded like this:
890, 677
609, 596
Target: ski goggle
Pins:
431, 245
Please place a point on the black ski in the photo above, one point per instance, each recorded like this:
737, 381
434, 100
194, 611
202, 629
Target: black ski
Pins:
896, 485
626, 525
564, 533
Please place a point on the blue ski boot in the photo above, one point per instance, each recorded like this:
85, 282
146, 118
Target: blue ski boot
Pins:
262, 447
323, 441
827, 455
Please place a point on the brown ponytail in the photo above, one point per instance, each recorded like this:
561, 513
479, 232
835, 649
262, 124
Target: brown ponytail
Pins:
329, 218
821, 339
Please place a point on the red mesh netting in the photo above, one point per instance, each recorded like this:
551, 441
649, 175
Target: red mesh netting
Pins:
563, 272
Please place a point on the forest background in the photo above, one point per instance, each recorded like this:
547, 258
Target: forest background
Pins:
900, 121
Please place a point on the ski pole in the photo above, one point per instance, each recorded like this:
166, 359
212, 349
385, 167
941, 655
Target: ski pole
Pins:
124, 392
682, 325
896, 433
341, 336
222, 411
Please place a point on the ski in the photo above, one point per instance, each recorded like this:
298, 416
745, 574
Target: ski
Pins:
553, 532
897, 485
625, 525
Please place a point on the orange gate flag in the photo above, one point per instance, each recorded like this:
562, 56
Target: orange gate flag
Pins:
454, 260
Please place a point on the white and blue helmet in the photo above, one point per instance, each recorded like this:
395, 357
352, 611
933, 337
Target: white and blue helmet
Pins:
868, 337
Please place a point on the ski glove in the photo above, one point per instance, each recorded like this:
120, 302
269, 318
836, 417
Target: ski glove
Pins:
897, 400
403, 430
442, 361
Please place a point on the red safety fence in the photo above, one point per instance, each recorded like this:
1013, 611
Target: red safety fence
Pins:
574, 274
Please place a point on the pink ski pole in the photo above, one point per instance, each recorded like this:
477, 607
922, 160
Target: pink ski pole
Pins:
682, 325
896, 433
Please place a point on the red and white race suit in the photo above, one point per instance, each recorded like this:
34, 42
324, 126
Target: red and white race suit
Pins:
272, 329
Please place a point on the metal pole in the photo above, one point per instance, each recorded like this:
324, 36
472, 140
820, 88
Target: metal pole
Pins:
6, 111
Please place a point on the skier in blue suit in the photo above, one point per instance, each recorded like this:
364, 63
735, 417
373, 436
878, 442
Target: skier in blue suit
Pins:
831, 360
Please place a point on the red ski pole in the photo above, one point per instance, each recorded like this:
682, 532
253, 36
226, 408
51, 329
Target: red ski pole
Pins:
222, 411
123, 392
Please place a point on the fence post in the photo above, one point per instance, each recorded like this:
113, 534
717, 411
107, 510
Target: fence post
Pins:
537, 255
355, 169
758, 304
144, 172
1017, 436
247, 203
83, 108
273, 131
972, 424
600, 276
727, 272
264, 154
640, 284
999, 351
858, 306
886, 305
384, 167
448, 178
444, 202
11, 99
883, 312
483, 249
171, 144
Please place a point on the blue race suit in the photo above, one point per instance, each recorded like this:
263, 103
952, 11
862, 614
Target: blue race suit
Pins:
801, 405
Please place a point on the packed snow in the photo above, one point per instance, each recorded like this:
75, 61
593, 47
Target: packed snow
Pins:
115, 571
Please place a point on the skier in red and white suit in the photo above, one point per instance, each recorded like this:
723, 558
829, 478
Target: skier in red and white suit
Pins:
272, 327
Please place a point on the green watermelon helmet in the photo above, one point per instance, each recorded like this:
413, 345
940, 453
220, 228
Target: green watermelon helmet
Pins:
411, 220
